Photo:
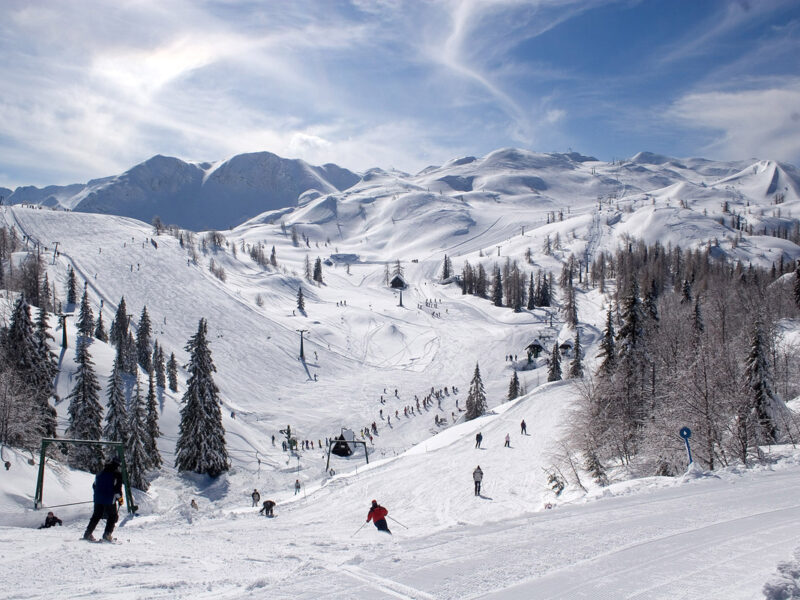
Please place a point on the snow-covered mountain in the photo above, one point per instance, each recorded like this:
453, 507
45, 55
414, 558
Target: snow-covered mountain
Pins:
367, 357
197, 196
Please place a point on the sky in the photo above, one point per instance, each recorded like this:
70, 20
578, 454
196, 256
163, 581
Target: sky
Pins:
88, 89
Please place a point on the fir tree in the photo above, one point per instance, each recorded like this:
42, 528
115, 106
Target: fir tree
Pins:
273, 260
119, 326
143, 333
797, 286
497, 288
100, 329
554, 370
201, 441
476, 398
172, 373
576, 366
513, 387
130, 355
151, 427
72, 287
159, 367
608, 348
85, 413
44, 295
301, 304
135, 446
318, 270
480, 282
765, 403
531, 294
309, 273
447, 268
116, 426
86, 316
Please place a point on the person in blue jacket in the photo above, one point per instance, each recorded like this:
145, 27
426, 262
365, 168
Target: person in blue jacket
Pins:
107, 494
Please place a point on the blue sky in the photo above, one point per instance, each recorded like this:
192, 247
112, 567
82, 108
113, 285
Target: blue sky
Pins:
89, 89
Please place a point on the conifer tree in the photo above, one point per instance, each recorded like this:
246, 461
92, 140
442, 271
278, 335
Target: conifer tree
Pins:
135, 446
201, 441
44, 295
159, 367
272, 258
29, 357
72, 286
116, 426
130, 355
447, 268
151, 427
476, 398
497, 288
531, 294
307, 264
797, 286
576, 366
119, 326
85, 413
301, 304
172, 372
554, 370
766, 405
608, 348
513, 387
86, 317
318, 270
100, 329
143, 333
481, 284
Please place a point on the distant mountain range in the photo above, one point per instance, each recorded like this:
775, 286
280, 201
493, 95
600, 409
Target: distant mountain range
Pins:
196, 196
224, 194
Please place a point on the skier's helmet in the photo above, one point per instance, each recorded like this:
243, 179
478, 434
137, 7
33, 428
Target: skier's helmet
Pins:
374, 503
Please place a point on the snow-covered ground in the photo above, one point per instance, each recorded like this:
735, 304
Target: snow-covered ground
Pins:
704, 536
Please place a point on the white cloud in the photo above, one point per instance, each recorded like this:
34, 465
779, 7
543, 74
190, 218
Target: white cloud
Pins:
762, 123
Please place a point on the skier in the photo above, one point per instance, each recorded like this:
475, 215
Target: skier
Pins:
377, 514
296, 486
478, 439
523, 428
267, 508
256, 497
508, 441
107, 493
193, 504
477, 477
50, 521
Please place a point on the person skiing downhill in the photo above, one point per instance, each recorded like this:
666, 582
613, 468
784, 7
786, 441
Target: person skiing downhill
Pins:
478, 439
523, 428
377, 514
477, 477
107, 492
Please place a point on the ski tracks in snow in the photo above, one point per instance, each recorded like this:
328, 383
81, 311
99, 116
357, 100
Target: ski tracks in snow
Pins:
387, 586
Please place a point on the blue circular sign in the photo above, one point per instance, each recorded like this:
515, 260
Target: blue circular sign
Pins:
685, 433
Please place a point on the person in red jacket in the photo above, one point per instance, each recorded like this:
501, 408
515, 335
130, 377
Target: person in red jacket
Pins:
377, 514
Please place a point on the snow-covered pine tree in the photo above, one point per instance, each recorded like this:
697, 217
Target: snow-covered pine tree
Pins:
72, 286
143, 333
135, 446
608, 348
86, 316
570, 305
307, 265
513, 387
29, 357
100, 328
301, 303
273, 260
45, 300
447, 268
797, 285
768, 408
497, 287
151, 426
576, 365
116, 426
531, 294
85, 413
554, 370
119, 326
201, 441
686, 292
159, 366
318, 270
697, 321
172, 372
476, 398
130, 355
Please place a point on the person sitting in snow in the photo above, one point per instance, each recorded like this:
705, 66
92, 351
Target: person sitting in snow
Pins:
50, 521
377, 514
267, 508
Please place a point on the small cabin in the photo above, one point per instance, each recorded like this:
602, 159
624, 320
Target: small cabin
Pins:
565, 348
534, 349
398, 282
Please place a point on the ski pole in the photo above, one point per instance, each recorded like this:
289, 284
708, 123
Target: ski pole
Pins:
359, 529
396, 521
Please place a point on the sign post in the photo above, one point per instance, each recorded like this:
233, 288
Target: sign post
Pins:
686, 433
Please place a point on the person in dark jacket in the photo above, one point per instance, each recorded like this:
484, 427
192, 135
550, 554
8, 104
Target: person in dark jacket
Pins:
256, 497
107, 494
478, 439
50, 521
477, 477
267, 508
377, 514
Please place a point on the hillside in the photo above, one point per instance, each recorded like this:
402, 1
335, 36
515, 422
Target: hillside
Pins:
361, 345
